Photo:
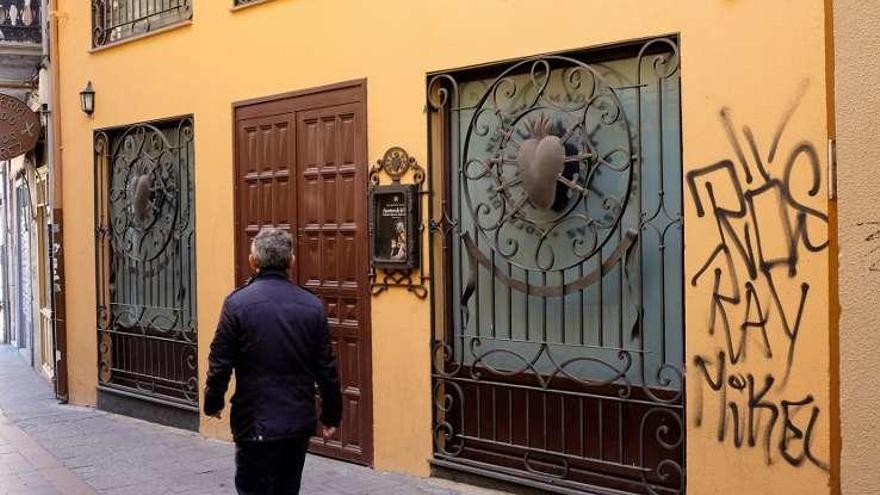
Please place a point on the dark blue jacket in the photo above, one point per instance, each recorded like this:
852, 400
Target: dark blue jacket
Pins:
274, 335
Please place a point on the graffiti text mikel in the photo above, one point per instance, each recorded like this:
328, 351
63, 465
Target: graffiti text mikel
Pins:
757, 202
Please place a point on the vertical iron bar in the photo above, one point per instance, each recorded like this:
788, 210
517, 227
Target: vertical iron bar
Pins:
544, 416
621, 280
581, 426
544, 309
562, 423
510, 415
601, 305
479, 415
620, 432
175, 266
600, 407
479, 289
641, 228
509, 302
432, 283
662, 205
528, 419
562, 310
492, 284
494, 415
526, 306
461, 251
582, 312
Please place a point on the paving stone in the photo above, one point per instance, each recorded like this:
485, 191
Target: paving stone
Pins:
74, 450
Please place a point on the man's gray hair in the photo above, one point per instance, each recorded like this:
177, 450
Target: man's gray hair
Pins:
272, 249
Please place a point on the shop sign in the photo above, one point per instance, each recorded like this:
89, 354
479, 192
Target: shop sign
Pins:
19, 127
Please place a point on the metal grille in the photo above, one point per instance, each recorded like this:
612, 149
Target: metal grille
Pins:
558, 341
25, 321
21, 21
116, 20
146, 262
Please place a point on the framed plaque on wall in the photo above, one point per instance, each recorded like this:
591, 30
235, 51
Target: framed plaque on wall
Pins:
394, 233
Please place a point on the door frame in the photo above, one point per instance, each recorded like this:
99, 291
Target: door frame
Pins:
240, 111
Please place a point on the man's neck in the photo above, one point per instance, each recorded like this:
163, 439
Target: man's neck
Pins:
272, 272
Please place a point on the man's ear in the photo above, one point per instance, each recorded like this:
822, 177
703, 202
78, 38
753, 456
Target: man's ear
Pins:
252, 262
292, 261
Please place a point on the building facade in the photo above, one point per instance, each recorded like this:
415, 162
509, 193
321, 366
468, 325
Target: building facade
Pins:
27, 290
621, 274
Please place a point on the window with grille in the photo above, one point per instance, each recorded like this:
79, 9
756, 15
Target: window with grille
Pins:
116, 20
559, 341
146, 280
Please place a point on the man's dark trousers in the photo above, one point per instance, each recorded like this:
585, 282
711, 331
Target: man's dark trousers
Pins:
271, 467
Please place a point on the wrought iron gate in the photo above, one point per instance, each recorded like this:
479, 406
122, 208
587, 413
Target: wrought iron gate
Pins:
25, 320
146, 262
558, 342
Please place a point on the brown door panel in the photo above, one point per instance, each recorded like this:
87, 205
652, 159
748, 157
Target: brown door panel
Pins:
302, 165
330, 168
265, 189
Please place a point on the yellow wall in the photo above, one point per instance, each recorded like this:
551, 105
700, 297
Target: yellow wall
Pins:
758, 58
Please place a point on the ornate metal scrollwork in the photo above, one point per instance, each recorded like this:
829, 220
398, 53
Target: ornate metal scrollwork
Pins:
145, 239
560, 240
397, 164
555, 161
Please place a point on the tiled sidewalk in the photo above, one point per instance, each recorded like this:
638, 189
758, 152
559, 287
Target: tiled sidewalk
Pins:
26, 467
48, 448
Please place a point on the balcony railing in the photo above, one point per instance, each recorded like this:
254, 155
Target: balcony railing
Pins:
20, 21
117, 20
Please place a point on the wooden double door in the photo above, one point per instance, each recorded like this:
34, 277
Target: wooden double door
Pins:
301, 165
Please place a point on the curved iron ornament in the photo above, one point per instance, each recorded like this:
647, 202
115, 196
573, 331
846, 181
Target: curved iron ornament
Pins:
571, 123
396, 163
553, 227
145, 240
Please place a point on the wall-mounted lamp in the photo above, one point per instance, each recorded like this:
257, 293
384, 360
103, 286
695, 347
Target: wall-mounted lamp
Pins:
87, 99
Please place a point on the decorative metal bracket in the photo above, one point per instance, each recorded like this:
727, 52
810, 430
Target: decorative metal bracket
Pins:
396, 164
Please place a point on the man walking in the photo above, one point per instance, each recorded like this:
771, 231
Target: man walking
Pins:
274, 335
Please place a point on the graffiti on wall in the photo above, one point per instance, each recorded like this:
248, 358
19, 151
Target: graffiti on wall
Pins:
757, 200
873, 239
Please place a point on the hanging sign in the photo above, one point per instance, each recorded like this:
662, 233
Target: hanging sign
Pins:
19, 127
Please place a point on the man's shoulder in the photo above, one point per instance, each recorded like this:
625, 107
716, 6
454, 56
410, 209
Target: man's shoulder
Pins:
253, 292
307, 297
244, 295
237, 294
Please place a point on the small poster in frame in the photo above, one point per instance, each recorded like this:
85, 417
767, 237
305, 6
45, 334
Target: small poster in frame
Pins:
394, 236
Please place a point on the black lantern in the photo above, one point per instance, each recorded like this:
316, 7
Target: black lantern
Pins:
87, 99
